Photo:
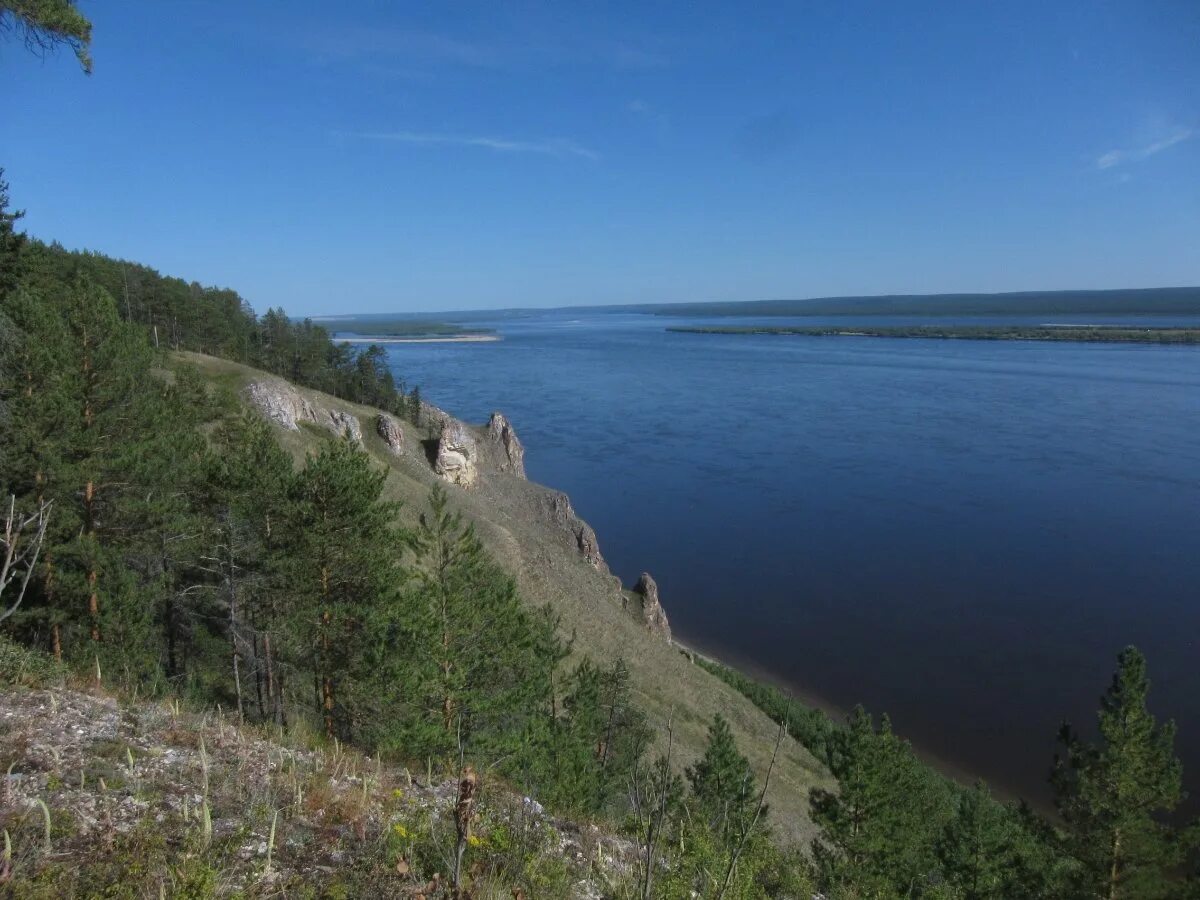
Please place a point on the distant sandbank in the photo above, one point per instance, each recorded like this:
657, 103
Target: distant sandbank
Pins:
432, 339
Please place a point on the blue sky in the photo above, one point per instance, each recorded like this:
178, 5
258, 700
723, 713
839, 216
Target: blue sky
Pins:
383, 156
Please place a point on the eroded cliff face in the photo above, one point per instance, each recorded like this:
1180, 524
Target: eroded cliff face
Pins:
457, 456
510, 451
461, 452
653, 615
393, 435
284, 405
467, 457
557, 507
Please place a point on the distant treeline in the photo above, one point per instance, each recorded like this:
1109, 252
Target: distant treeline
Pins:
1083, 334
1136, 301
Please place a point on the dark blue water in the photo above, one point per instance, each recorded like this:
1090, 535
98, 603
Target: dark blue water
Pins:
962, 534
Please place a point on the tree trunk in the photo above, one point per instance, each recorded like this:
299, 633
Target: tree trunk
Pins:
1114, 872
233, 633
270, 675
327, 700
258, 674
94, 603
48, 587
89, 526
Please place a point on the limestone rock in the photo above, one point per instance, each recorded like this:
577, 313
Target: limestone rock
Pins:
341, 424
457, 455
511, 452
432, 417
389, 429
280, 403
589, 545
562, 514
653, 614
283, 405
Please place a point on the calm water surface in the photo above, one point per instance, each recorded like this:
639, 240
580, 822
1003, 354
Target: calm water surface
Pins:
960, 533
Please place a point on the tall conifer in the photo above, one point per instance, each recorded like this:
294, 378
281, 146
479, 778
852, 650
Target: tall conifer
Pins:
1113, 795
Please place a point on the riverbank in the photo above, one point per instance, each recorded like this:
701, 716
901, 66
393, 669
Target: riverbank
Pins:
1096, 334
812, 719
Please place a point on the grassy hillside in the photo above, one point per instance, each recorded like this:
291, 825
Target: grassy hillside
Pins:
507, 512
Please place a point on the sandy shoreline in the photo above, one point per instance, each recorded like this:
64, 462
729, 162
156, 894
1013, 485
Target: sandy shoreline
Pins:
432, 339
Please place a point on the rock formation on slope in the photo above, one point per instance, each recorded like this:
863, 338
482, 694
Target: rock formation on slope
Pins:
653, 614
389, 429
283, 404
457, 454
511, 453
560, 511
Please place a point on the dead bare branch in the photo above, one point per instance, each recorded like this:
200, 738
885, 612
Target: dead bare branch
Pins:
22, 540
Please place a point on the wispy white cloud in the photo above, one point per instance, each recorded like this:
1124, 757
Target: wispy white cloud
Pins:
650, 114
549, 147
1121, 157
410, 47
500, 50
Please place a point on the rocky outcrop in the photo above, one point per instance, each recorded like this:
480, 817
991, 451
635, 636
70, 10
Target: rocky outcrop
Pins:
389, 429
432, 417
653, 614
341, 424
562, 514
510, 452
283, 405
456, 460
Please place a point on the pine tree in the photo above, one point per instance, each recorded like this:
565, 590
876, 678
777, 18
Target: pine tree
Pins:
880, 828
95, 434
1111, 795
977, 847
598, 740
12, 242
46, 24
343, 571
624, 729
722, 782
481, 665
249, 479
414, 406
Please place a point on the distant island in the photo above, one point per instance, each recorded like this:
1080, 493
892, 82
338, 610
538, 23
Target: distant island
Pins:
1069, 333
465, 338
376, 330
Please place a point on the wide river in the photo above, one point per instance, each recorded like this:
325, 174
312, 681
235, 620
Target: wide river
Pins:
961, 534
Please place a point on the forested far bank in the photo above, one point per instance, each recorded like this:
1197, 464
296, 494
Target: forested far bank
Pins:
1080, 334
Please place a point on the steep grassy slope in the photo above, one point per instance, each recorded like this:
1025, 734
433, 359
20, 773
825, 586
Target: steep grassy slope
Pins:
512, 519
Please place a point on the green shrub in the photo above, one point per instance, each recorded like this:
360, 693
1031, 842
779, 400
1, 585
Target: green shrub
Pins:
29, 668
